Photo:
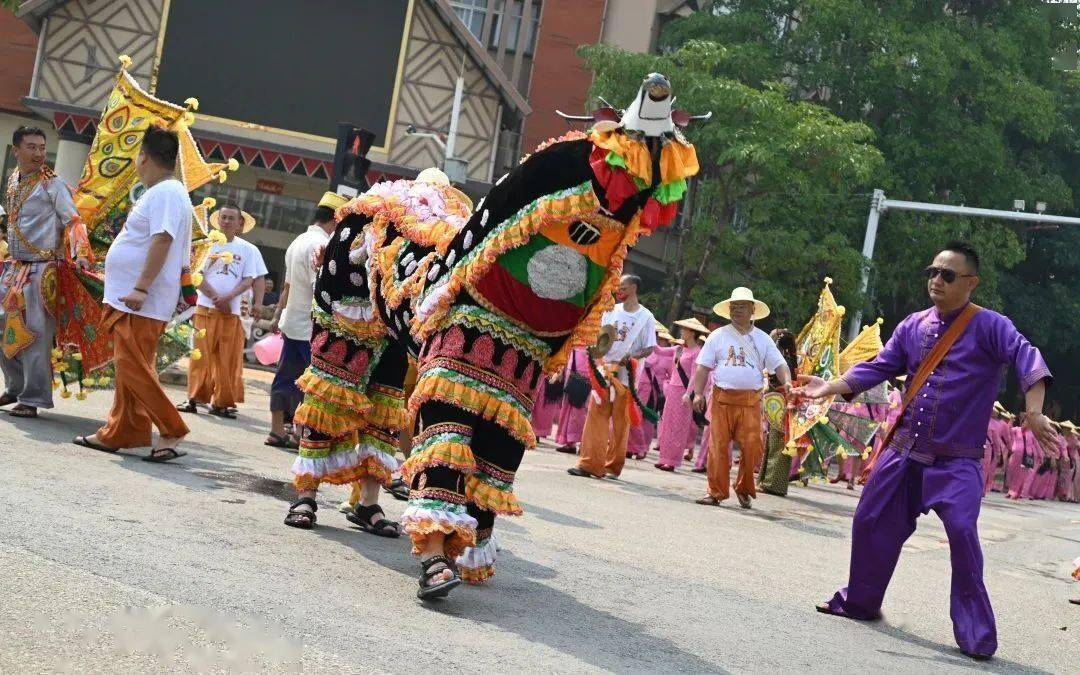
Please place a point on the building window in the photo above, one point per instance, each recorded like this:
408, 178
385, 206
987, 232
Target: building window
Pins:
472, 13
517, 9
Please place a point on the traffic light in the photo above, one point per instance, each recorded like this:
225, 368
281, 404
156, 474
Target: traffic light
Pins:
350, 160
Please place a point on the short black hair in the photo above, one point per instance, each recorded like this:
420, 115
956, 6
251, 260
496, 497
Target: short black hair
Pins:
161, 145
967, 250
324, 214
634, 279
234, 206
24, 131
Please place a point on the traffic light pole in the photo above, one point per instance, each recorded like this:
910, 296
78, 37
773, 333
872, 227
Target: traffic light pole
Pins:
879, 205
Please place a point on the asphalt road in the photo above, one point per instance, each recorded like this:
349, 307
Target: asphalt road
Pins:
111, 564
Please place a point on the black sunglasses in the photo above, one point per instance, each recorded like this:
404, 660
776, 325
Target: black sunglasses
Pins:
947, 275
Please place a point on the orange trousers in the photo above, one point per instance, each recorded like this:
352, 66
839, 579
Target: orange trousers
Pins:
217, 377
736, 416
607, 429
139, 403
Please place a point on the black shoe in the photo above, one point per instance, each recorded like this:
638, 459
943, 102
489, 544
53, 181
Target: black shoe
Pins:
574, 471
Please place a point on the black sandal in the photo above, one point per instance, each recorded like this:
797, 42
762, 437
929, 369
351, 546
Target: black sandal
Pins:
26, 412
399, 489
305, 520
8, 399
283, 441
441, 589
188, 406
362, 515
227, 413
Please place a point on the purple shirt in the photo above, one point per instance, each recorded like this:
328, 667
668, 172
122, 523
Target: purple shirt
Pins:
949, 416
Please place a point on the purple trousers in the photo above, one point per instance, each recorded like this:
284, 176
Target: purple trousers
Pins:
899, 490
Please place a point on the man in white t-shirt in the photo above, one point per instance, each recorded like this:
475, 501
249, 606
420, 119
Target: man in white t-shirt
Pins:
739, 356
292, 318
142, 291
230, 271
604, 453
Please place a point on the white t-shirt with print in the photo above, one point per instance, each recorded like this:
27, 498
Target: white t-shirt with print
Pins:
246, 263
626, 342
737, 359
164, 208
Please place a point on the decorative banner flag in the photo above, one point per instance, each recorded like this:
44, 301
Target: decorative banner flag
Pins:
110, 183
853, 427
819, 355
864, 347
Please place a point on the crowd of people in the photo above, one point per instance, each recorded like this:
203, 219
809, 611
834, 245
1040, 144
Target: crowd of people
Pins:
699, 394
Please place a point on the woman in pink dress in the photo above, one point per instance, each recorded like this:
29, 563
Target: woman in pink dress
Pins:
546, 407
1015, 470
678, 431
650, 381
998, 439
1072, 441
572, 416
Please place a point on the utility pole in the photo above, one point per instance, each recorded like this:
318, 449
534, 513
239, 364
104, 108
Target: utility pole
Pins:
879, 205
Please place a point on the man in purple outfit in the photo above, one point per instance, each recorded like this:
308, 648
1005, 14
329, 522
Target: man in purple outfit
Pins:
934, 459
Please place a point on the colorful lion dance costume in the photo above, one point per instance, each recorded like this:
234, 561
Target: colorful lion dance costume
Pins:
478, 305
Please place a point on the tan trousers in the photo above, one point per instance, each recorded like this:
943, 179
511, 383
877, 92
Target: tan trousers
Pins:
736, 416
139, 403
607, 429
217, 377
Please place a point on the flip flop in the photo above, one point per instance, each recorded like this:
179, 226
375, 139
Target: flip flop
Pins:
162, 455
85, 442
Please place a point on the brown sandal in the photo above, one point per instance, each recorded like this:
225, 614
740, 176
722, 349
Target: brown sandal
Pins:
708, 500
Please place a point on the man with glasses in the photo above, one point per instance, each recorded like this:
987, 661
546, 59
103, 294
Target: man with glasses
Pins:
933, 460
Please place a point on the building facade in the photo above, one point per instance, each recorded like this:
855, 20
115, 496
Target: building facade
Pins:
271, 94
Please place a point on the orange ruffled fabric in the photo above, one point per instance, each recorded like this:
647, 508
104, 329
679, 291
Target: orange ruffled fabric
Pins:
371, 467
678, 161
313, 384
633, 152
474, 576
490, 408
491, 498
391, 418
458, 537
454, 455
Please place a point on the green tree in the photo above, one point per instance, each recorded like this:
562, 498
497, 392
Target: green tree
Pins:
966, 108
762, 156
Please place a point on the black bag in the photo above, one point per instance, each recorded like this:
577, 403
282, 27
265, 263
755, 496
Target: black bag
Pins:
577, 386
656, 398
699, 417
1044, 467
553, 391
1028, 459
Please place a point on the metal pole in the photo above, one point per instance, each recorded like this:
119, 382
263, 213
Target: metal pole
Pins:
868, 256
455, 113
879, 204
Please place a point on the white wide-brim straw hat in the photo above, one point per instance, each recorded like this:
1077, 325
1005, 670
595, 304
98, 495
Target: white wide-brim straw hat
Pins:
741, 294
249, 221
694, 325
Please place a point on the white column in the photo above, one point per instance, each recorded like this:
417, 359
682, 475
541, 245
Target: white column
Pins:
70, 159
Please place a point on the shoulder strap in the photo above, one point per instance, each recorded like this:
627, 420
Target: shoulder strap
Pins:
932, 360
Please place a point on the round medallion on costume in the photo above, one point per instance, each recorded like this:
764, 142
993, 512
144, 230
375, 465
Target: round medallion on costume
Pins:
775, 407
49, 284
558, 272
